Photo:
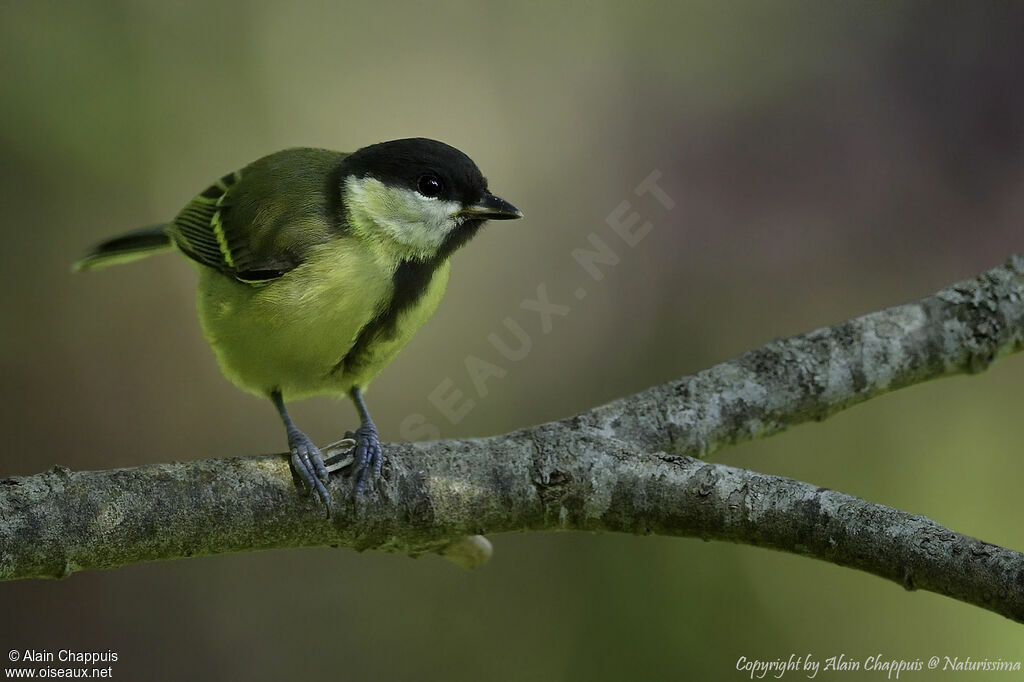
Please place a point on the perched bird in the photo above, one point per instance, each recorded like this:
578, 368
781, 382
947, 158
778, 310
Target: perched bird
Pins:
316, 267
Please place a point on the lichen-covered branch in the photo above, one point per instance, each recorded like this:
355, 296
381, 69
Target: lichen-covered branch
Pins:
620, 467
962, 328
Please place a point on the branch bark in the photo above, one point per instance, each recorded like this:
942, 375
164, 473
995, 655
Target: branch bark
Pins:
632, 465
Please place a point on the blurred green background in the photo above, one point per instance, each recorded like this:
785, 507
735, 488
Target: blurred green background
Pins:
826, 160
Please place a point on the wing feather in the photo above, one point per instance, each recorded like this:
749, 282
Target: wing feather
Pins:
255, 225
204, 233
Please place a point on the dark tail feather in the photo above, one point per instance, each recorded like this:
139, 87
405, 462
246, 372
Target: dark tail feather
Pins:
125, 248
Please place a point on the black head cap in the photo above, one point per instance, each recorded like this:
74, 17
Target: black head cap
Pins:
412, 161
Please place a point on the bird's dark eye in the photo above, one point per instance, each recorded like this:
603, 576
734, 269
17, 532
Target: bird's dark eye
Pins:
429, 185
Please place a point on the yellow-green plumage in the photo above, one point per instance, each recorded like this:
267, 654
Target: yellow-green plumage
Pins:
316, 268
291, 335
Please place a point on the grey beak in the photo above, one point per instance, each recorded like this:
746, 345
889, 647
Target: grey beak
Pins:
491, 207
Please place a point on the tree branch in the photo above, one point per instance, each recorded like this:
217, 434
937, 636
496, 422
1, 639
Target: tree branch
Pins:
606, 469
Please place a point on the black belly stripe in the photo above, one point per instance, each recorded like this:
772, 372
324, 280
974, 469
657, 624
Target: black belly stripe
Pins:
411, 280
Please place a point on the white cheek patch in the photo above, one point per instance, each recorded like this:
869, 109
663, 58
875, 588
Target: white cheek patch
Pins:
416, 224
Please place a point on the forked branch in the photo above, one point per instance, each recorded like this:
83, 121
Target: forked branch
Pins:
633, 465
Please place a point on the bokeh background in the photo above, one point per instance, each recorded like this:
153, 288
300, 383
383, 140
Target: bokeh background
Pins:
826, 160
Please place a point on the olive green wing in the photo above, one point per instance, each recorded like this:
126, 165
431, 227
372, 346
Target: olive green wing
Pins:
204, 233
256, 224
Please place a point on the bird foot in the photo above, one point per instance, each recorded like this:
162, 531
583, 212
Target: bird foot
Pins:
309, 465
368, 455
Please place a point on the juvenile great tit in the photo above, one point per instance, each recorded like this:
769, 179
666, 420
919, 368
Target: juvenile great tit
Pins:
316, 267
